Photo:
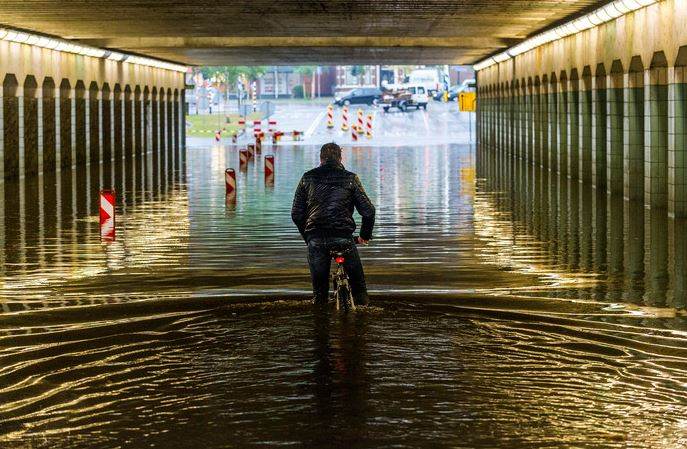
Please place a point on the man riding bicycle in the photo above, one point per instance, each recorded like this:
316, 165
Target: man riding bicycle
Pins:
323, 211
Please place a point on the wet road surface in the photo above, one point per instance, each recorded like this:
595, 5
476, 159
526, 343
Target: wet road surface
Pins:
498, 321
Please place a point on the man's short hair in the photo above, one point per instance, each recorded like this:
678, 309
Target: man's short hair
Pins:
330, 152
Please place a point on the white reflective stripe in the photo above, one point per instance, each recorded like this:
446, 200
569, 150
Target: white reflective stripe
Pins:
106, 206
107, 229
230, 180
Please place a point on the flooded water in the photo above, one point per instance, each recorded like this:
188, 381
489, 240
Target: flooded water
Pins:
499, 318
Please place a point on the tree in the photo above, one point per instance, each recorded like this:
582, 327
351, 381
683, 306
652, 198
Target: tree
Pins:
358, 71
307, 70
229, 75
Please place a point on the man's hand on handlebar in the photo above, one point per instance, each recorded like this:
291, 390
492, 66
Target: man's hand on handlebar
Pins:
361, 241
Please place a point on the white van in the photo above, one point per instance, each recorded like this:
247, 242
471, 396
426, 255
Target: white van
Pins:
431, 79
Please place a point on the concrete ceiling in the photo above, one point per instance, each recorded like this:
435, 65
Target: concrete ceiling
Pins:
295, 31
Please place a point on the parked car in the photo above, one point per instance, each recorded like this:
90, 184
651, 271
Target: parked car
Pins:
466, 86
361, 95
405, 97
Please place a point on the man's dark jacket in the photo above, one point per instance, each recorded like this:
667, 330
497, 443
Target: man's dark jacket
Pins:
324, 202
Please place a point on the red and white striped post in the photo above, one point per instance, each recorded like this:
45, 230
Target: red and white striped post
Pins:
242, 122
257, 124
218, 136
107, 215
344, 119
243, 158
368, 131
230, 181
258, 144
354, 133
251, 151
360, 120
330, 116
234, 138
272, 125
269, 165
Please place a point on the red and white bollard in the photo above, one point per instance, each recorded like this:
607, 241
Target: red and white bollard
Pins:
354, 133
218, 136
243, 158
242, 122
258, 144
269, 165
330, 116
344, 119
234, 138
257, 125
230, 181
368, 130
360, 120
107, 215
251, 151
272, 125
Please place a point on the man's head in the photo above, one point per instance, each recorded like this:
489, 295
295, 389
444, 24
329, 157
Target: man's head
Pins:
330, 152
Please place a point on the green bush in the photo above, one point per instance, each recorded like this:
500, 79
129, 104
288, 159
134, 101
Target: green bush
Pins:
297, 91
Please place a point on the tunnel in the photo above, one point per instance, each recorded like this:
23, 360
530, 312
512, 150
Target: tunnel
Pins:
343, 224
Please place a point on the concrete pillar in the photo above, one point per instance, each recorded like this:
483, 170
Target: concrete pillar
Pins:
49, 126
183, 123
118, 122
633, 148
154, 119
574, 124
563, 159
106, 122
146, 120
94, 116
80, 123
677, 145
10, 106
30, 127
656, 135
614, 157
599, 129
552, 123
128, 122
536, 105
545, 147
162, 102
169, 108
586, 128
176, 131
530, 121
138, 121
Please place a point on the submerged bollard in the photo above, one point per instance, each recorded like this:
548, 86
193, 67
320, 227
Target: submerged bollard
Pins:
107, 215
243, 158
234, 138
272, 125
257, 125
258, 144
230, 180
218, 136
251, 151
269, 165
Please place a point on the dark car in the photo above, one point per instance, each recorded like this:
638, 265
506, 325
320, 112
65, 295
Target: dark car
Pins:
361, 95
453, 92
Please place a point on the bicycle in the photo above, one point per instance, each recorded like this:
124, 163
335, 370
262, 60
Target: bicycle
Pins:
342, 288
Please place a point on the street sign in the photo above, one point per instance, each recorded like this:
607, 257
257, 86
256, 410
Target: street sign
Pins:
467, 102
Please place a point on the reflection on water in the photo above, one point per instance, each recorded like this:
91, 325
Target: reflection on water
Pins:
518, 310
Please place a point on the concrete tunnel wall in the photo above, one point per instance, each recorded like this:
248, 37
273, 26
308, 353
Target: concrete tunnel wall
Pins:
606, 106
61, 110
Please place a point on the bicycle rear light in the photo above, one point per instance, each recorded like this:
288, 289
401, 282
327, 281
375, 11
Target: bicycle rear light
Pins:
339, 259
